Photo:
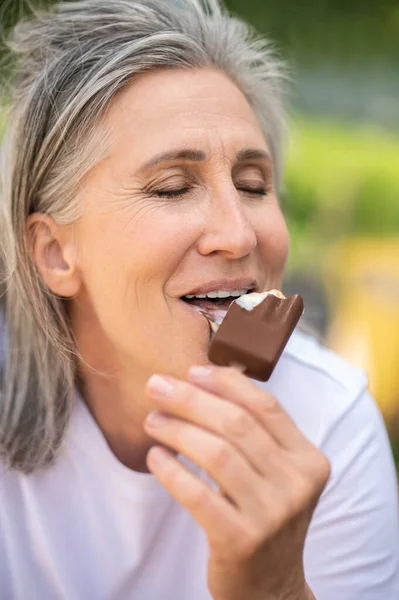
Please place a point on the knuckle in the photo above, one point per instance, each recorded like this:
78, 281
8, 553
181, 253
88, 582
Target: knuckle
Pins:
268, 404
221, 455
307, 493
197, 498
187, 393
194, 495
224, 375
297, 494
172, 477
324, 469
239, 425
319, 466
316, 469
304, 493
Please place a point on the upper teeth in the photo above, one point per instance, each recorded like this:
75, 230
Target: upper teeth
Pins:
218, 294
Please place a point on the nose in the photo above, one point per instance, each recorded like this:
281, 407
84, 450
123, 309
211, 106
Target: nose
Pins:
227, 230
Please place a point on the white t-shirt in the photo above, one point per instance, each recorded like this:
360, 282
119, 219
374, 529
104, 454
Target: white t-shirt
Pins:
88, 528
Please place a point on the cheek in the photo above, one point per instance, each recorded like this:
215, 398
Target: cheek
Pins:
274, 242
132, 252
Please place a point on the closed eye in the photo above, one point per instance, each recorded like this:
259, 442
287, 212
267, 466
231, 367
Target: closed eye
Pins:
172, 193
257, 191
260, 191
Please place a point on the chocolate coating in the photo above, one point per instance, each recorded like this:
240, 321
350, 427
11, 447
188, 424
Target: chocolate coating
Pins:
256, 339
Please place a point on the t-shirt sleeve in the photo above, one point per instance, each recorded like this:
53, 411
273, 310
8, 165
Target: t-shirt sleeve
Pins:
352, 548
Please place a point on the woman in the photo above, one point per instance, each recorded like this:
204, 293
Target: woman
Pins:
141, 166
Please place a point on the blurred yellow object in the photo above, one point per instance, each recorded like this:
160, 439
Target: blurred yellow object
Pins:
362, 280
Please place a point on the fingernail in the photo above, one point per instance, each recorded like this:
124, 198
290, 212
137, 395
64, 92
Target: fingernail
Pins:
160, 386
158, 456
199, 372
156, 418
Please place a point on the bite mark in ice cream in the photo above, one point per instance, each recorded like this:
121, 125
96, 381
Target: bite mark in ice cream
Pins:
254, 332
250, 301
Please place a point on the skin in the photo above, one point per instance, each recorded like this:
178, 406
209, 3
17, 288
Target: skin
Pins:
125, 264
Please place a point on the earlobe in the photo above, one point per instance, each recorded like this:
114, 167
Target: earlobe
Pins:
54, 254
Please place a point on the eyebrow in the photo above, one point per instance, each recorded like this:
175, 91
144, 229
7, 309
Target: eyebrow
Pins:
253, 154
199, 155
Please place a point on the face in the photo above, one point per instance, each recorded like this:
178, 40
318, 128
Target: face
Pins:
183, 204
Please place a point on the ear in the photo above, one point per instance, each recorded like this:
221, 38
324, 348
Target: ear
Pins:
54, 250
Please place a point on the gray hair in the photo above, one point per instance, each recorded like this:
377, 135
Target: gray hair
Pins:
70, 63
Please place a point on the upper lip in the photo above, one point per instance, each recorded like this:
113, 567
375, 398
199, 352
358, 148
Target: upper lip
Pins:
225, 285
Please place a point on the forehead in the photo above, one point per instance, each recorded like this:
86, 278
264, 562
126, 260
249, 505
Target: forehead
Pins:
180, 108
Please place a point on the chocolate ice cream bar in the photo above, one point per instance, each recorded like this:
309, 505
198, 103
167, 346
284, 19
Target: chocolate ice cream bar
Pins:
254, 335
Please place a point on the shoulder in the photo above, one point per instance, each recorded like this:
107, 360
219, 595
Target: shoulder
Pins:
305, 355
357, 514
11, 483
316, 386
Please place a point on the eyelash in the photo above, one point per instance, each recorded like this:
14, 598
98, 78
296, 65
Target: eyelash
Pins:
182, 191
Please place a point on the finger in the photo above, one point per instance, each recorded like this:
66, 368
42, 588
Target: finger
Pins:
227, 467
232, 385
219, 519
303, 459
230, 421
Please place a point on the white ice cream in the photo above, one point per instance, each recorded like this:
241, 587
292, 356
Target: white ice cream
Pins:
249, 301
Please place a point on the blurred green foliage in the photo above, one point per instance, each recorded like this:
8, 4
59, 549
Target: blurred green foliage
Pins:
314, 31
340, 180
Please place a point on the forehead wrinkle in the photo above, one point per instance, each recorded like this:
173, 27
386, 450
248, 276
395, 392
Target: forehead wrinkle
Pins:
218, 155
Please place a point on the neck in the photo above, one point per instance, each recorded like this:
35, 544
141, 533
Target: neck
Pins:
119, 407
112, 389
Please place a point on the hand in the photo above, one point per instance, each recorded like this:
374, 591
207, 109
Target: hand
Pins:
270, 479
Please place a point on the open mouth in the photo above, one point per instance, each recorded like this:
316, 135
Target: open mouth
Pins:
214, 303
